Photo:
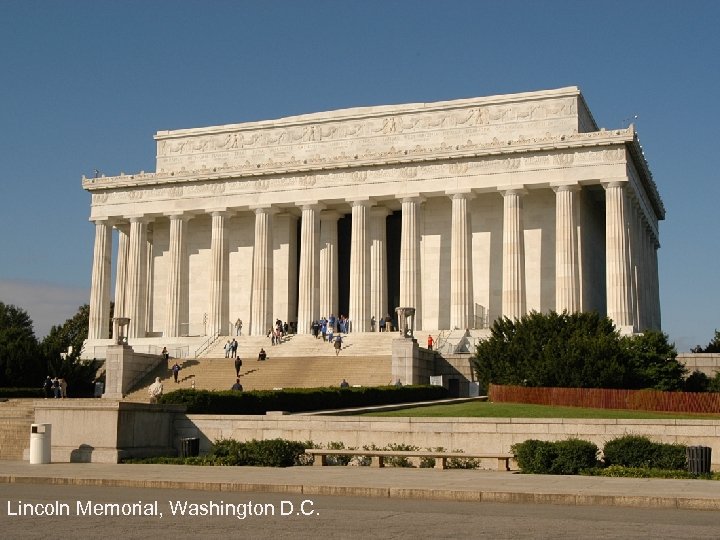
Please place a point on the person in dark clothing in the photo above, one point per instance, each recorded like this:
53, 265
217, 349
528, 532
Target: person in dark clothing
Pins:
237, 386
238, 366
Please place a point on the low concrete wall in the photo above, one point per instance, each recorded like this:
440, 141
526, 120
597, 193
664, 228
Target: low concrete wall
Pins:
707, 363
104, 431
124, 368
466, 434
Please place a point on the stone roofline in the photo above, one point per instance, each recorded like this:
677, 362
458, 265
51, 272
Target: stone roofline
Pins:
362, 113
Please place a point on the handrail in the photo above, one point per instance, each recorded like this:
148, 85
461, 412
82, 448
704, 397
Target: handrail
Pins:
207, 344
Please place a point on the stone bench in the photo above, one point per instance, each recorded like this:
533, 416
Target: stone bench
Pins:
378, 456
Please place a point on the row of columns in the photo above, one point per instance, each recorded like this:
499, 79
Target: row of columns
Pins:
631, 265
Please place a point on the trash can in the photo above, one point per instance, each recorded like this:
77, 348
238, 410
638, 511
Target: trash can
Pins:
698, 459
40, 443
189, 447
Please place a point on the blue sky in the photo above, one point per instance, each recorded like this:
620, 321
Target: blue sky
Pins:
86, 84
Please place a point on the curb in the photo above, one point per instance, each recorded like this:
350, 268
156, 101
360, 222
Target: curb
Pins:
569, 499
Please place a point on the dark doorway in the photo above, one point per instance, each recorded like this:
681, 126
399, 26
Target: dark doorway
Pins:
344, 225
393, 229
454, 388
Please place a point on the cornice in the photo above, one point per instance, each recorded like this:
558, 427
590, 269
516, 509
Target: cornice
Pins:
418, 155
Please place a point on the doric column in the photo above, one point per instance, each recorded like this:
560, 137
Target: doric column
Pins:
175, 276
567, 260
655, 297
359, 268
149, 279
378, 264
410, 254
262, 294
462, 306
137, 277
619, 308
121, 270
99, 327
513, 287
328, 263
217, 321
309, 278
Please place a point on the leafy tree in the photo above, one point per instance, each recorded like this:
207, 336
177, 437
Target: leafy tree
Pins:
61, 350
575, 350
652, 361
19, 361
712, 347
554, 349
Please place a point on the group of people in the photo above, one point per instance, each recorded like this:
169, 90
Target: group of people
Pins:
329, 325
231, 348
278, 332
55, 387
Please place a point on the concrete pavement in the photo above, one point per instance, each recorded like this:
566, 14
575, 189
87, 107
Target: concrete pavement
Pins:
453, 484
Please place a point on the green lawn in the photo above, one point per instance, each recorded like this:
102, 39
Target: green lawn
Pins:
521, 410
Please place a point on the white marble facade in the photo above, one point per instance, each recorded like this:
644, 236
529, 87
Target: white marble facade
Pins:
500, 204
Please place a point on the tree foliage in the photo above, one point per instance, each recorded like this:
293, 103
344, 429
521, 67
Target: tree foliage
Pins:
61, 350
712, 347
19, 360
575, 350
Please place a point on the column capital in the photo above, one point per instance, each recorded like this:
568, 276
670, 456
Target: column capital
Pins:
459, 193
311, 205
270, 210
139, 219
223, 212
361, 201
565, 187
178, 216
614, 184
507, 191
412, 198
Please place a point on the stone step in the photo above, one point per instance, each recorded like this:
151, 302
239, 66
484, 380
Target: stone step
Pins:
276, 372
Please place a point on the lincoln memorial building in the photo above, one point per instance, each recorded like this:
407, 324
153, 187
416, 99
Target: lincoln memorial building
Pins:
466, 210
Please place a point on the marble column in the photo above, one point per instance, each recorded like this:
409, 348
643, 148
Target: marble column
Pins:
619, 307
567, 260
149, 280
513, 286
261, 302
121, 271
462, 306
99, 327
309, 278
655, 298
378, 264
218, 318
328, 263
137, 276
175, 276
360, 268
410, 254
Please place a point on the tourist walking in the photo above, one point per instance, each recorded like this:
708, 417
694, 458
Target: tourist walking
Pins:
228, 347
175, 371
233, 348
430, 343
338, 345
238, 327
47, 386
63, 387
238, 366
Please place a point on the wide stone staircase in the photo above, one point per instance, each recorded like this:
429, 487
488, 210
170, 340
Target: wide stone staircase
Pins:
301, 361
16, 416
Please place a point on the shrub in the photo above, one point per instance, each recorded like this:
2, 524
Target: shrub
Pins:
297, 399
561, 457
641, 452
267, 453
400, 461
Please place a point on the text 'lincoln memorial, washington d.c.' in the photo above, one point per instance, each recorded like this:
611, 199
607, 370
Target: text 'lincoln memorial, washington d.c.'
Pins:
465, 210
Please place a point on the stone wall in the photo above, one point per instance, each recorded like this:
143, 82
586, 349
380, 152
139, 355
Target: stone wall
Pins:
707, 363
466, 434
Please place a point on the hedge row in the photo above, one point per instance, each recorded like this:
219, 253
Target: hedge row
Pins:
298, 399
573, 456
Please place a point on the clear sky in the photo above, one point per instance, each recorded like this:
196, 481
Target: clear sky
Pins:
86, 84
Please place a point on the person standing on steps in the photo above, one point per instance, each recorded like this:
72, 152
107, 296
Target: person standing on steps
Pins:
430, 343
175, 371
